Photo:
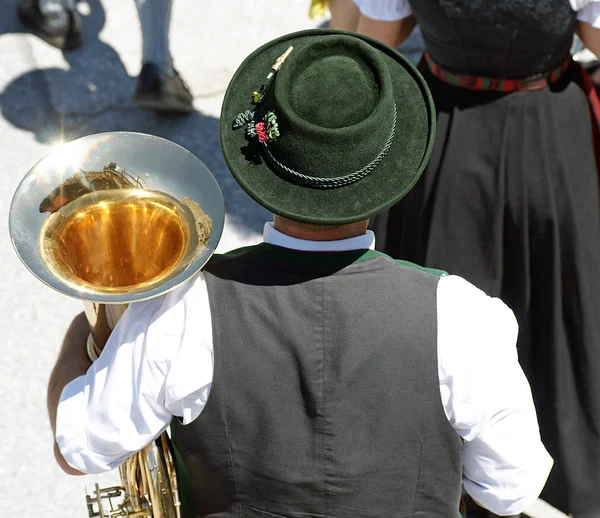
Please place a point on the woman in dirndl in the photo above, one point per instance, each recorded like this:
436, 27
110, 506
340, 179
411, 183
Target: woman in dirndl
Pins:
510, 199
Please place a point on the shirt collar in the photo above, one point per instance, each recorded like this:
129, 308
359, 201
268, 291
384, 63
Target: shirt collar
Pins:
272, 236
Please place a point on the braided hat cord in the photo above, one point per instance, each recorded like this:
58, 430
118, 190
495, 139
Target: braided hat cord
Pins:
337, 181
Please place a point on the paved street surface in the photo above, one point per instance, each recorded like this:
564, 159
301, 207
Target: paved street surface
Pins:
45, 95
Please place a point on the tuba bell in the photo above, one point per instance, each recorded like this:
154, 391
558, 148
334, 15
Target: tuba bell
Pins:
111, 219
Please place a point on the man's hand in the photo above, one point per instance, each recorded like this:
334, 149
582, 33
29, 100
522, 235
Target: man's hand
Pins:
72, 362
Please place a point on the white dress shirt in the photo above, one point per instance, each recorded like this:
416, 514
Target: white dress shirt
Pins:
392, 10
158, 363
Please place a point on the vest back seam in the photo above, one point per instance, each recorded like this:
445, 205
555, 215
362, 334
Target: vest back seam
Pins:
323, 417
235, 480
418, 482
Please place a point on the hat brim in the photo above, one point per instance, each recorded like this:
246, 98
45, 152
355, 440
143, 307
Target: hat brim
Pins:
395, 175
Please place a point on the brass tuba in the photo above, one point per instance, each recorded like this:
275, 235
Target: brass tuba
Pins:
111, 219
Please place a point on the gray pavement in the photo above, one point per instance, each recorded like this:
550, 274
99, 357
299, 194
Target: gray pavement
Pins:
45, 95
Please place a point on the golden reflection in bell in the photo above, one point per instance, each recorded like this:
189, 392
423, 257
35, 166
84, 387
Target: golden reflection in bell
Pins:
117, 240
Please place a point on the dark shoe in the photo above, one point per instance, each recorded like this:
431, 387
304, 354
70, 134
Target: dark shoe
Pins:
162, 92
60, 28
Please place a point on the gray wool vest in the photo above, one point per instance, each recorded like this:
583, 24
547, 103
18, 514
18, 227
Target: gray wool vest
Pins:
325, 400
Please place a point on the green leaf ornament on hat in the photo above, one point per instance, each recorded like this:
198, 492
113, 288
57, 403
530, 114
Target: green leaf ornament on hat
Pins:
327, 127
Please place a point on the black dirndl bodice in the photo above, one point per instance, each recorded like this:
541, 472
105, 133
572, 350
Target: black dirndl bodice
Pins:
500, 38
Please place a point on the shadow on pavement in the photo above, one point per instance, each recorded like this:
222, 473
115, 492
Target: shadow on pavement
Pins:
94, 95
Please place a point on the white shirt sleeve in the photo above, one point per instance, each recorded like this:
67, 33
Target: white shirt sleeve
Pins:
129, 395
487, 399
587, 11
384, 10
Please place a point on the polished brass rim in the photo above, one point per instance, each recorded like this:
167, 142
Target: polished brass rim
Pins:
138, 185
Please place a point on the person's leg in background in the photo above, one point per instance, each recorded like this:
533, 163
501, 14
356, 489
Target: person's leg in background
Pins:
57, 22
159, 86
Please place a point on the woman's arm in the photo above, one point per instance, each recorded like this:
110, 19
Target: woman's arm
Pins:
588, 23
392, 33
390, 22
589, 35
344, 15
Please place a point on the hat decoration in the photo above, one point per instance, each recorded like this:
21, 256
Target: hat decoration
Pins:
266, 130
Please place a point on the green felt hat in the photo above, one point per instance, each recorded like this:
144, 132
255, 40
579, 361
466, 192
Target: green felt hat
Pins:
337, 130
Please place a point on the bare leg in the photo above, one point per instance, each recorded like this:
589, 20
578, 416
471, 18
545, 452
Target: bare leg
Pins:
155, 19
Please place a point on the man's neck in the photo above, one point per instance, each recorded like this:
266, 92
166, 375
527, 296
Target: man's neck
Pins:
319, 232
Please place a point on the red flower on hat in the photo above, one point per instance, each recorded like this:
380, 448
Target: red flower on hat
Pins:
265, 131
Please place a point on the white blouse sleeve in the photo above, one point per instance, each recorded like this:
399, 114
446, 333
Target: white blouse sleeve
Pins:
487, 399
129, 395
384, 10
587, 11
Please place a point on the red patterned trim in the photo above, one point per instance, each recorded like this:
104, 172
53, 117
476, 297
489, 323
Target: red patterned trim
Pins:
496, 85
